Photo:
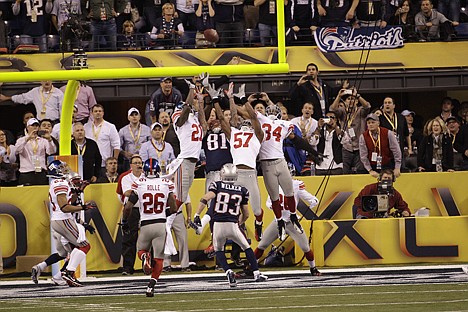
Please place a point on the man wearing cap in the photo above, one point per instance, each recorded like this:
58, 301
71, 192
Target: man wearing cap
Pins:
47, 99
32, 151
132, 136
163, 99
379, 148
351, 110
104, 134
157, 148
453, 125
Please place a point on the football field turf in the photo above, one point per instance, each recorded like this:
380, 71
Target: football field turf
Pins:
438, 290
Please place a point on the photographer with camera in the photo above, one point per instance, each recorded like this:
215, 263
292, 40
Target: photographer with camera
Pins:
32, 151
66, 17
377, 199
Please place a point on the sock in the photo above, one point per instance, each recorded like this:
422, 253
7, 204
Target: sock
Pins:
221, 257
276, 206
53, 258
157, 268
290, 203
76, 256
256, 272
312, 263
258, 253
309, 255
259, 218
42, 266
251, 257
141, 253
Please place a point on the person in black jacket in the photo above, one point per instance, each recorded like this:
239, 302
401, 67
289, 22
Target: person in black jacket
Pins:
435, 153
327, 138
89, 150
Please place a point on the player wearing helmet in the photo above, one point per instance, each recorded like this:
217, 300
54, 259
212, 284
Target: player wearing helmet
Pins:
245, 140
63, 222
272, 231
154, 195
229, 208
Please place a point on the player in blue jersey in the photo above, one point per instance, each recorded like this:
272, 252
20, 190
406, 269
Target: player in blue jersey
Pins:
229, 208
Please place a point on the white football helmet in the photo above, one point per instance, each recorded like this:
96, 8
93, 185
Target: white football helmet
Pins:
273, 112
229, 173
246, 125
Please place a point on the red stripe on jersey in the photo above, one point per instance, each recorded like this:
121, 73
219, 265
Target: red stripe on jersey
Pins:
176, 115
60, 189
302, 186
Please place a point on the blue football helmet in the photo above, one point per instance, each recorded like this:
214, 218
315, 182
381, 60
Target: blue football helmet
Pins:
151, 168
57, 169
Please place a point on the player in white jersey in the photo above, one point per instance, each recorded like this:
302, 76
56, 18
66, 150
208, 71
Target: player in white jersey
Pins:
189, 126
63, 222
271, 232
245, 144
154, 195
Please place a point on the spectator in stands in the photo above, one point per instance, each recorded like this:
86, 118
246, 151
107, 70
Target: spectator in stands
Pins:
129, 40
370, 13
164, 99
284, 112
168, 29
150, 11
251, 14
123, 9
306, 123
229, 18
89, 151
186, 12
260, 107
435, 153
433, 25
104, 134
132, 137
8, 165
415, 135
267, 22
395, 201
65, 18
336, 13
157, 148
397, 123
169, 133
205, 20
447, 108
378, 148
34, 22
303, 19
47, 99
85, 100
311, 89
351, 110
327, 139
111, 175
3, 46
403, 16
45, 127
463, 113
32, 151
26, 116
450, 8
102, 14
453, 125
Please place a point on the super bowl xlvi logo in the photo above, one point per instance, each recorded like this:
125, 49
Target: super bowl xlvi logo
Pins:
335, 39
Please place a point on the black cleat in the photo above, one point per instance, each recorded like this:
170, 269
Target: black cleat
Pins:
70, 278
315, 272
231, 276
35, 273
150, 288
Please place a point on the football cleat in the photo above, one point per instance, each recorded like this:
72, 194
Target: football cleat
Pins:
296, 223
146, 263
167, 269
231, 278
258, 230
150, 288
315, 272
260, 278
281, 230
210, 252
70, 278
35, 273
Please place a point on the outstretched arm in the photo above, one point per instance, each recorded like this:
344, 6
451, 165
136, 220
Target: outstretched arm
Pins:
224, 123
255, 123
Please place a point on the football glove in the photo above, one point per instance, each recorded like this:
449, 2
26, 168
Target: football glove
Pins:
88, 227
197, 221
89, 205
125, 227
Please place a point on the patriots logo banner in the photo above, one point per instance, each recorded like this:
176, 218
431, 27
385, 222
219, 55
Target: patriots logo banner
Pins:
335, 39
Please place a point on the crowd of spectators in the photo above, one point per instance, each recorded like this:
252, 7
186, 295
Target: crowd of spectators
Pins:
61, 25
347, 133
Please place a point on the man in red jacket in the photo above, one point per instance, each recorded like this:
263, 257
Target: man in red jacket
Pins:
395, 200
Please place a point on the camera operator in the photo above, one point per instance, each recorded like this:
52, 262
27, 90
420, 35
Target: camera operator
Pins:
66, 19
384, 186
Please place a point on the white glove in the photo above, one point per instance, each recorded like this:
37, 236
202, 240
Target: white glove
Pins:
205, 79
241, 93
189, 84
212, 91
